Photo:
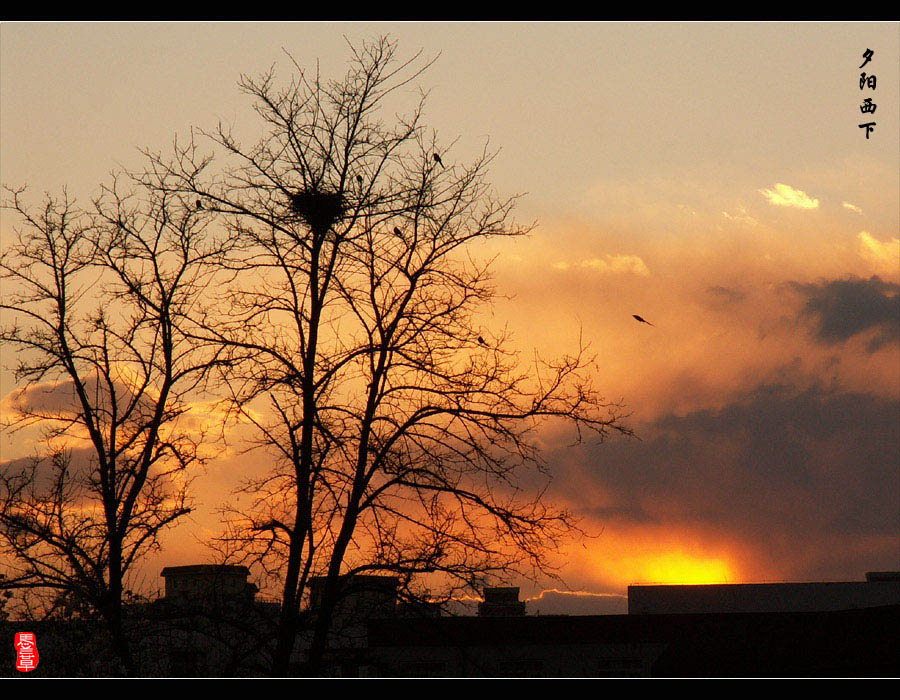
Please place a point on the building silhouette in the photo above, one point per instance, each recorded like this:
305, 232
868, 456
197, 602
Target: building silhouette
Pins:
208, 582
880, 588
501, 602
212, 622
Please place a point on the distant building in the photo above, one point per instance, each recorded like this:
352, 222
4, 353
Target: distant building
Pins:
209, 622
209, 582
501, 602
879, 589
358, 596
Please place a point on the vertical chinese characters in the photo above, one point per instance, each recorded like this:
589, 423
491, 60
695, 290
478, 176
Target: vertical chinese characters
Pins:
868, 106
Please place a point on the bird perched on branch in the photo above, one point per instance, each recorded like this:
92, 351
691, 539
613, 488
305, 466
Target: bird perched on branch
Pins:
641, 320
481, 341
398, 232
437, 159
199, 204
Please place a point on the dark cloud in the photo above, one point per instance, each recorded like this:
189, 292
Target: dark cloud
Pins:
844, 308
59, 398
790, 470
726, 295
44, 471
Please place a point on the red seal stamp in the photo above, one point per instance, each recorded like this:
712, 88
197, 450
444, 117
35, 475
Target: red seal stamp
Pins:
26, 651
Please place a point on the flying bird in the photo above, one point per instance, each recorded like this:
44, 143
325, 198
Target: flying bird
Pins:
437, 159
641, 320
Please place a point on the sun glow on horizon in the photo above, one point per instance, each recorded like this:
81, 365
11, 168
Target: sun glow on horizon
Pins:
626, 556
681, 568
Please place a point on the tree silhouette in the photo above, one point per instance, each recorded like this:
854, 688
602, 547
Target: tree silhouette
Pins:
95, 303
398, 435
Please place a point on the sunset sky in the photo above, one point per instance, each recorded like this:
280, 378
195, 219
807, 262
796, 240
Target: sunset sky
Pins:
711, 178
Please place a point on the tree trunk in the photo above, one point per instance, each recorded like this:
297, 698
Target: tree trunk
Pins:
114, 617
287, 621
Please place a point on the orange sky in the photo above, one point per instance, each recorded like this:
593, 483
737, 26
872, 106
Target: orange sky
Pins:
710, 178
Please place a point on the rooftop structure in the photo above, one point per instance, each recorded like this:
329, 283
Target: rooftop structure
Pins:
879, 589
208, 582
501, 602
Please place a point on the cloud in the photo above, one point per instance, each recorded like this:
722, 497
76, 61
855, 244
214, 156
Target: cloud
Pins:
45, 471
802, 481
741, 217
851, 207
727, 295
844, 308
786, 196
556, 602
886, 255
58, 400
77, 469
621, 264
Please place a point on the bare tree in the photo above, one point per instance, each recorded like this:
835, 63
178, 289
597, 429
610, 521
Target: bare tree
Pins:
400, 432
95, 304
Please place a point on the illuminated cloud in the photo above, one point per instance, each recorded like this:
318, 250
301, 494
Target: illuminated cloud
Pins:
786, 196
882, 255
742, 217
616, 264
851, 207
554, 602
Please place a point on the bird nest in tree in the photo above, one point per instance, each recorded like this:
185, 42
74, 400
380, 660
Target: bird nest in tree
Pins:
320, 210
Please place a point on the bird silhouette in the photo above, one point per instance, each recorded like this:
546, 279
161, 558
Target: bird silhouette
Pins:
359, 179
199, 204
398, 232
641, 320
437, 159
481, 341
